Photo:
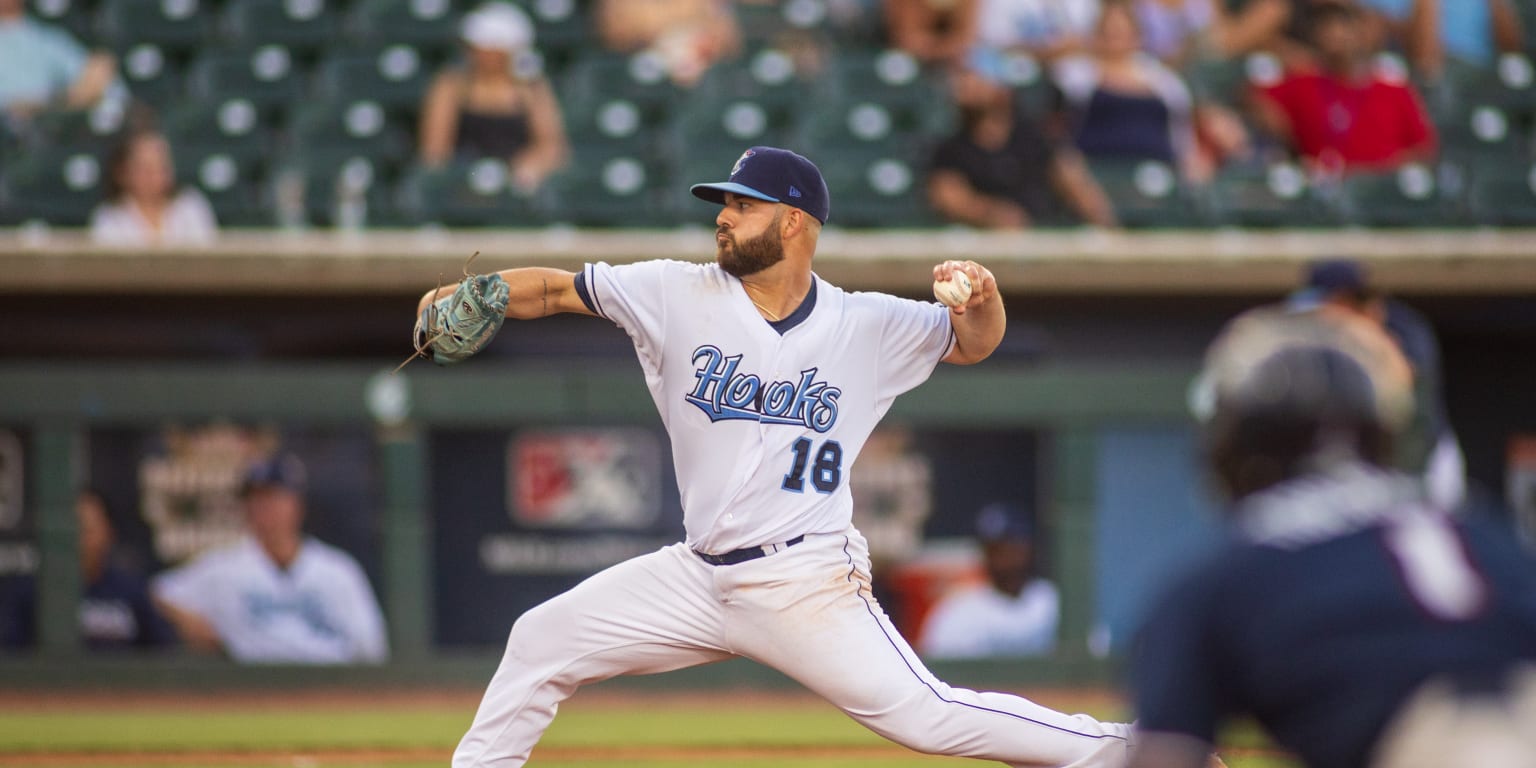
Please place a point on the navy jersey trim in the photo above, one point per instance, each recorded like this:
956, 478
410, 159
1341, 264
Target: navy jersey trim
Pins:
799, 315
860, 590
585, 293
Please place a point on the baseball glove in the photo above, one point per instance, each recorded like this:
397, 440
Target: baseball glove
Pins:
458, 325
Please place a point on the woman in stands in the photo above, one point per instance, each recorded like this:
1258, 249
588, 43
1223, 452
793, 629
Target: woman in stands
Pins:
497, 104
143, 205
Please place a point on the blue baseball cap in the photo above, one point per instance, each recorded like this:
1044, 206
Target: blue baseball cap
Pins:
285, 472
776, 175
1001, 521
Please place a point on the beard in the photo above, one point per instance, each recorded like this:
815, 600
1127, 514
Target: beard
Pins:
748, 257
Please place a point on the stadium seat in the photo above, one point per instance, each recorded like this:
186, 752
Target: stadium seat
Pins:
152, 76
427, 24
612, 190
1509, 85
735, 123
873, 190
915, 100
57, 185
1411, 196
234, 125
1146, 193
767, 76
561, 30
297, 24
1482, 134
326, 185
1277, 195
361, 126
1503, 196
640, 79
465, 194
89, 129
611, 125
72, 15
179, 25
858, 126
395, 76
229, 179
265, 76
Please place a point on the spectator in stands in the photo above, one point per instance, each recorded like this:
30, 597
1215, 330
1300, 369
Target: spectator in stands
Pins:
1428, 447
1045, 29
1468, 31
1179, 31
115, 610
143, 205
934, 31
1014, 614
1348, 113
689, 35
276, 596
1123, 104
44, 68
497, 105
1000, 171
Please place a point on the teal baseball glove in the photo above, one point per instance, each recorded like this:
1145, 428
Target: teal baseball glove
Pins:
458, 325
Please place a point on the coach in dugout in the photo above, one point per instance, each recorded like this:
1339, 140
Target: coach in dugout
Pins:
1361, 624
276, 596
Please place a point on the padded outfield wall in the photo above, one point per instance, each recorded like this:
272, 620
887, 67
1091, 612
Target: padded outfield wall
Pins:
453, 486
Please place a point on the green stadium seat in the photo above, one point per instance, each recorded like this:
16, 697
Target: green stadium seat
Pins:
1503, 195
1410, 196
73, 15
873, 190
857, 126
612, 190
1277, 195
1146, 193
328, 184
761, 23
768, 76
265, 76
229, 179
395, 76
180, 25
612, 125
56, 185
360, 126
297, 24
465, 194
562, 30
1483, 134
234, 125
640, 79
916, 100
90, 129
1509, 85
426, 24
152, 76
735, 123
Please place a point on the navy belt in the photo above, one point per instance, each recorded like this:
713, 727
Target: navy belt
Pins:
747, 553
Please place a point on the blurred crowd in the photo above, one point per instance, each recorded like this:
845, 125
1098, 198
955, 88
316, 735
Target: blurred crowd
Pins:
155, 122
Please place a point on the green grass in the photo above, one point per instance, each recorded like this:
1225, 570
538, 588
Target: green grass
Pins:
635, 732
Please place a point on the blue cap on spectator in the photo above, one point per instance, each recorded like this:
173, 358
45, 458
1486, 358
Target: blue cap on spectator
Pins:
776, 175
284, 472
1001, 521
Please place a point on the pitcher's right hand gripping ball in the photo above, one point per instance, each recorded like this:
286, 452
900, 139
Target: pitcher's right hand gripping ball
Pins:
458, 325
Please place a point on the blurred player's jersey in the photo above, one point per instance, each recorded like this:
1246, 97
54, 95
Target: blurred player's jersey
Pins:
766, 419
1338, 597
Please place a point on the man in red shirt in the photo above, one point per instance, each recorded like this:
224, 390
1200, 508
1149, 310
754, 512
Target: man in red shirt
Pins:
1347, 112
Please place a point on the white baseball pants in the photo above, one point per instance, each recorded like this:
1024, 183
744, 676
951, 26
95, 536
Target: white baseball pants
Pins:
805, 611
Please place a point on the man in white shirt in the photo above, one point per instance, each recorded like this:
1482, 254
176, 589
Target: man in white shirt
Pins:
1013, 614
276, 596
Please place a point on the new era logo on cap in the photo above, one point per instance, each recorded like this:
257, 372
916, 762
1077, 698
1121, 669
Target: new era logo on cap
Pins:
776, 175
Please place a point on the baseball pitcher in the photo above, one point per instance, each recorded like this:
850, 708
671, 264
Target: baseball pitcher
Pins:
769, 380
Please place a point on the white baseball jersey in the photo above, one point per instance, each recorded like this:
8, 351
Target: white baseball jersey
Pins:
980, 622
766, 421
320, 610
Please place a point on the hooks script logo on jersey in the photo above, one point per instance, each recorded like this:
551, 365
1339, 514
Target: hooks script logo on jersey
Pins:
724, 394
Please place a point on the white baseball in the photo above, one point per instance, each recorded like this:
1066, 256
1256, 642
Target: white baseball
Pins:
954, 291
